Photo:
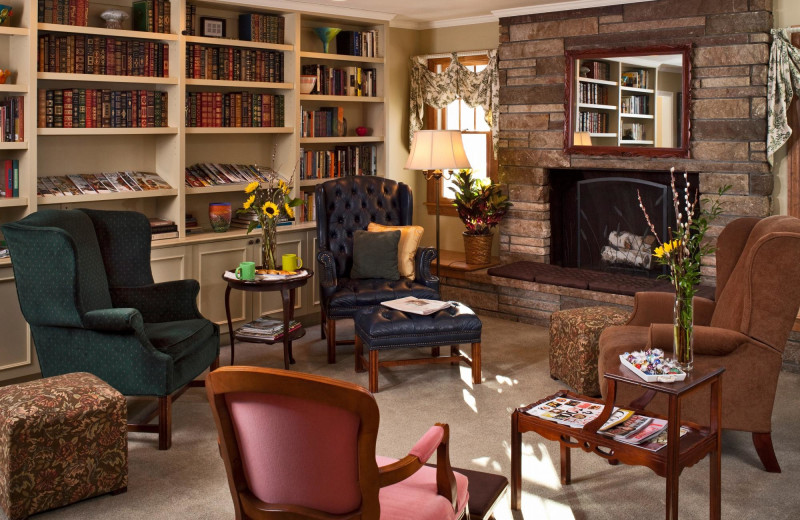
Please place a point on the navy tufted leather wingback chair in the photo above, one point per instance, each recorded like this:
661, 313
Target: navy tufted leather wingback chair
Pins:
343, 206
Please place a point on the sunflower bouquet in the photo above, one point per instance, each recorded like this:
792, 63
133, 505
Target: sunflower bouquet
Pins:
682, 253
271, 201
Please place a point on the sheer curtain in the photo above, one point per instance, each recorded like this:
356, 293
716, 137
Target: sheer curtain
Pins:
456, 81
783, 80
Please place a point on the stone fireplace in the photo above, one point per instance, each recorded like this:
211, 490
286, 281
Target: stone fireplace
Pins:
729, 59
730, 53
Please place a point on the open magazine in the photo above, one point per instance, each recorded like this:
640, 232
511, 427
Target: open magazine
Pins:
416, 305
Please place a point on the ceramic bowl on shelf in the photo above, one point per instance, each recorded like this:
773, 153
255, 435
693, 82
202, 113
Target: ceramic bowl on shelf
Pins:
307, 83
114, 18
5, 12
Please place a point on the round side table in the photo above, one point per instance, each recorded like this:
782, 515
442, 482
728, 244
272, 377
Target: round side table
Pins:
287, 287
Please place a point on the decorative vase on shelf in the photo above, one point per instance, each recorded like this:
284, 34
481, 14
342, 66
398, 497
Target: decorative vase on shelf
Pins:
326, 34
268, 243
219, 214
114, 18
683, 315
5, 12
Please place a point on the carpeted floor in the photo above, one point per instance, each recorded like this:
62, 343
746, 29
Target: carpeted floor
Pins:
189, 482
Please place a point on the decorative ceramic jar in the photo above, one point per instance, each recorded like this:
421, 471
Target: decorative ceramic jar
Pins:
219, 214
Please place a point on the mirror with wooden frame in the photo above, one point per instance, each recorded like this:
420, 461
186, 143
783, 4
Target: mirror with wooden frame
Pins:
628, 101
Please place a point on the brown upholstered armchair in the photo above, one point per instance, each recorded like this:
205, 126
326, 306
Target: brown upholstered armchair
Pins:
744, 330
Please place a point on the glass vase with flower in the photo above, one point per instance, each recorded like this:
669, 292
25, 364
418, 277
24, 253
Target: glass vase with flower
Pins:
682, 252
271, 201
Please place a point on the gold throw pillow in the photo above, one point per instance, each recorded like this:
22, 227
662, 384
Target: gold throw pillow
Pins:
406, 248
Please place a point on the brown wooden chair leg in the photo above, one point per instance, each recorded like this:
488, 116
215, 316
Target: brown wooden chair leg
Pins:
373, 371
165, 422
476, 363
454, 351
763, 444
435, 352
331, 336
322, 323
359, 350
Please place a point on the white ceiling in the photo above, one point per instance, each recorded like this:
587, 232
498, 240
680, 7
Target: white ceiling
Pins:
422, 14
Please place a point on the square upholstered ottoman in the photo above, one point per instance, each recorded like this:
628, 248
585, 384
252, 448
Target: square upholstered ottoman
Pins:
62, 439
574, 344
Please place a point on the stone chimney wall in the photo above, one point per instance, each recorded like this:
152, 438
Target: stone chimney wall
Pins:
730, 40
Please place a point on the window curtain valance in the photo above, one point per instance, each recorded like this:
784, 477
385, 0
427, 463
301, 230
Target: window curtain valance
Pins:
783, 80
456, 81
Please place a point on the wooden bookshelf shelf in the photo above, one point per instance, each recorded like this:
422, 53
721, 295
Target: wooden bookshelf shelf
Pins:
341, 140
14, 31
340, 57
222, 188
98, 197
108, 131
228, 42
261, 85
239, 130
14, 88
341, 99
105, 78
14, 145
13, 202
102, 31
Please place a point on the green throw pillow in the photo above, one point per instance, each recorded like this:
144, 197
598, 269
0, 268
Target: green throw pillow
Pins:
375, 255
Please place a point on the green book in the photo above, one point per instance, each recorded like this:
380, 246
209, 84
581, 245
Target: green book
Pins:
140, 15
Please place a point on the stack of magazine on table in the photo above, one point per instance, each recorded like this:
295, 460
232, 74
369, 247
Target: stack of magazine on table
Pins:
264, 329
622, 425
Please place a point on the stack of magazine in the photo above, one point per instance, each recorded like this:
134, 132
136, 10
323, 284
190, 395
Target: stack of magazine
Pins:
264, 329
622, 425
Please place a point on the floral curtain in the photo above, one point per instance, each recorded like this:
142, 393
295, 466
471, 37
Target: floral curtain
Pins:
783, 79
456, 81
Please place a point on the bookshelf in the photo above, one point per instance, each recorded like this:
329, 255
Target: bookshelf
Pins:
168, 150
616, 101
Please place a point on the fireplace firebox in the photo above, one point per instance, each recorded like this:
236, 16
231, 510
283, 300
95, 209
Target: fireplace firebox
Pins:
597, 223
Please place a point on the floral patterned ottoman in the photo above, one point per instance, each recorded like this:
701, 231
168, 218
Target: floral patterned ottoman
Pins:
62, 439
574, 337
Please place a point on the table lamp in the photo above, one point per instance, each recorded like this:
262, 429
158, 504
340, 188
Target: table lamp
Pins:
434, 151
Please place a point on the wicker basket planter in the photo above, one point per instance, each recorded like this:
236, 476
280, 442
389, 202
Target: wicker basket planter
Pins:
478, 248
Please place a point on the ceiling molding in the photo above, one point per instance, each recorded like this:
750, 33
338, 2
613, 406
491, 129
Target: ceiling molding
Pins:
405, 24
304, 7
561, 6
455, 22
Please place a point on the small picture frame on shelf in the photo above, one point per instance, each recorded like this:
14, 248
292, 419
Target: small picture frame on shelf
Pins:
212, 27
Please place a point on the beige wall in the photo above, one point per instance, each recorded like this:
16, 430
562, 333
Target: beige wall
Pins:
403, 44
786, 14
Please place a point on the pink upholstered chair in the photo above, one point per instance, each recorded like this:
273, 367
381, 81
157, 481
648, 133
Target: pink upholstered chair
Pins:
303, 446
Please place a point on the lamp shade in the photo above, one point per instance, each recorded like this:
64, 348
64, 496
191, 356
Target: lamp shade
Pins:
437, 150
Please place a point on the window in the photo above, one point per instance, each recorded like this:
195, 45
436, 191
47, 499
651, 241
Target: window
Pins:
476, 134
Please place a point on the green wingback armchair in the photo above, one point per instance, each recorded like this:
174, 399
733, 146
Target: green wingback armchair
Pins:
86, 289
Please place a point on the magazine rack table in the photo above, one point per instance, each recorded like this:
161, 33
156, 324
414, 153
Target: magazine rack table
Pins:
668, 462
287, 287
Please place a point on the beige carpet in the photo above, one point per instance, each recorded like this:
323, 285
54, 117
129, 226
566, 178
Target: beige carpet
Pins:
189, 482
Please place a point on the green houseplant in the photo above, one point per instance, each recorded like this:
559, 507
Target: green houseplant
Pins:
481, 205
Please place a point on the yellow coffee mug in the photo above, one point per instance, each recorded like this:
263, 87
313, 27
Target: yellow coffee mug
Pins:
291, 262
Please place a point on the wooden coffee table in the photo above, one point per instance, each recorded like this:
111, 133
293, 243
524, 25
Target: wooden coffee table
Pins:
668, 462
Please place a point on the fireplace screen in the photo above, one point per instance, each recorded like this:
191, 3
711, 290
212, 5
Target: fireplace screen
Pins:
598, 224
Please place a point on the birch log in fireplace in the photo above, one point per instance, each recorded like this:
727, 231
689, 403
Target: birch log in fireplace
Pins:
628, 249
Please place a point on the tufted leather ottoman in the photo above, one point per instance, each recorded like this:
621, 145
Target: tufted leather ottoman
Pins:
63, 439
574, 339
380, 328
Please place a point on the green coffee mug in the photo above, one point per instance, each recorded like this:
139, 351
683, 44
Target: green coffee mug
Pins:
291, 262
246, 271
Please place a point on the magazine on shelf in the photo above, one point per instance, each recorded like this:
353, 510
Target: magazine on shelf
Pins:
653, 429
655, 443
630, 427
416, 305
571, 412
269, 329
